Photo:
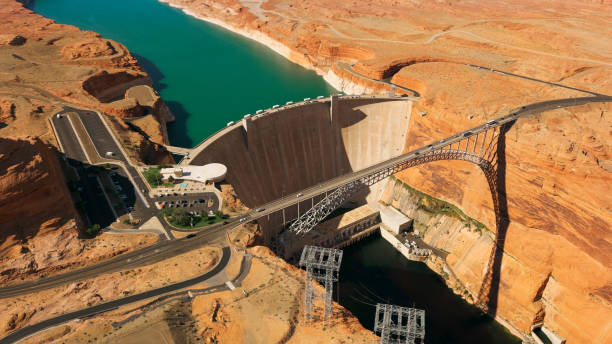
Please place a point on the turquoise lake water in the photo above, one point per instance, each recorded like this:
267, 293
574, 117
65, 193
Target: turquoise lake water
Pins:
207, 75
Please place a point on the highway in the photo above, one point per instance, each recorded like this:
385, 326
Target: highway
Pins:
168, 249
148, 255
107, 306
334, 183
216, 234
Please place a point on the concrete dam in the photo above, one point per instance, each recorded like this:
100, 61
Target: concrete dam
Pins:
286, 149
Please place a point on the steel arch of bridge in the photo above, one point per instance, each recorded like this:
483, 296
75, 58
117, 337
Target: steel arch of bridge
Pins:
484, 156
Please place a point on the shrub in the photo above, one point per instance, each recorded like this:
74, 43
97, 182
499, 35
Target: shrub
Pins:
93, 230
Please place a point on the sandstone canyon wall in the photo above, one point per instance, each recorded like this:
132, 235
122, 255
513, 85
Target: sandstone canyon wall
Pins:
45, 67
38, 221
556, 262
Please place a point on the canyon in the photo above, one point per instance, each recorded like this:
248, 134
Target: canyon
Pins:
46, 66
555, 253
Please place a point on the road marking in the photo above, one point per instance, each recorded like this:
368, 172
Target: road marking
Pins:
80, 141
230, 285
127, 158
59, 142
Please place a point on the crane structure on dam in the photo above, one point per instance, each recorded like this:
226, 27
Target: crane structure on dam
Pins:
397, 324
478, 145
322, 264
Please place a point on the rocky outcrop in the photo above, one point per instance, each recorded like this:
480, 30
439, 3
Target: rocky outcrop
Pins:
38, 222
558, 236
37, 218
12, 39
106, 86
276, 300
554, 252
7, 111
48, 65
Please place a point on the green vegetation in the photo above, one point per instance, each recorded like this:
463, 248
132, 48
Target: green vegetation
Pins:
182, 219
436, 206
93, 230
153, 176
132, 146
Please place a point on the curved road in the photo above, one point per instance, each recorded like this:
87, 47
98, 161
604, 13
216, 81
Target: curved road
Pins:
107, 306
171, 248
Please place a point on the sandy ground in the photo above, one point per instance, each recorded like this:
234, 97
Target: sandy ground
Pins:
275, 299
28, 309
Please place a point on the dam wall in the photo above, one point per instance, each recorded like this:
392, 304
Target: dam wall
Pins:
285, 150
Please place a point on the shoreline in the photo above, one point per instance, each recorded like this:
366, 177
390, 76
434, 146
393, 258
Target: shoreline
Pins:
330, 77
343, 85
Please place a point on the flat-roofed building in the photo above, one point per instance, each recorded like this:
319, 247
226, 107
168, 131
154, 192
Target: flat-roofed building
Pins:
209, 173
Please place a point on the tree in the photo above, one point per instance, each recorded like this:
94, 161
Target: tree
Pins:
181, 218
168, 212
153, 176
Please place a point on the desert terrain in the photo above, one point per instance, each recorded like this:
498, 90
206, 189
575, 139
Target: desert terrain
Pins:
557, 247
557, 244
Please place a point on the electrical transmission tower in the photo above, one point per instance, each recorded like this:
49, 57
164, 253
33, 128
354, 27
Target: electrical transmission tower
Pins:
399, 324
322, 264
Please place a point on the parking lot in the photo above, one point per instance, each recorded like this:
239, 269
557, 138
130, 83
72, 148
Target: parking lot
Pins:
205, 201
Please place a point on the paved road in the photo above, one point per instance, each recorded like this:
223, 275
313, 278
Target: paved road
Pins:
107, 306
334, 183
95, 205
168, 249
104, 142
148, 255
67, 139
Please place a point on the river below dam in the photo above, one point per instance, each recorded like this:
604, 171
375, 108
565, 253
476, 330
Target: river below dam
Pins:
393, 279
209, 76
